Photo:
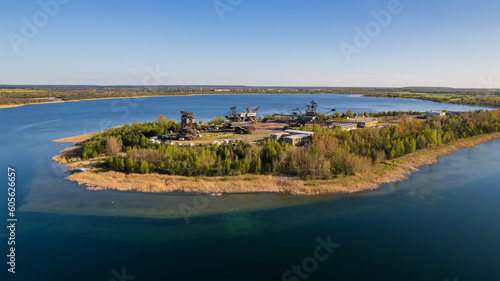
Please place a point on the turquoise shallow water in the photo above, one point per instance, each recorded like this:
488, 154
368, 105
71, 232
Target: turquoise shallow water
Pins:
439, 224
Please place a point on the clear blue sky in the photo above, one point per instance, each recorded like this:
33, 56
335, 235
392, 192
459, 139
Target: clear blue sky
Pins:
258, 43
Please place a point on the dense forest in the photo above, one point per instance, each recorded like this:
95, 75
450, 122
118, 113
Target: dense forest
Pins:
33, 94
465, 97
332, 152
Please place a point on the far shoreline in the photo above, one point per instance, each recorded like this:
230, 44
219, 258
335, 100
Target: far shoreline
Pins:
63, 101
190, 95
133, 97
398, 170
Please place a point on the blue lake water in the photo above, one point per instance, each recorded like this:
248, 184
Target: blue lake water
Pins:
441, 223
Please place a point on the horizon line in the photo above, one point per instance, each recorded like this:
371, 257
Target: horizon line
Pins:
238, 86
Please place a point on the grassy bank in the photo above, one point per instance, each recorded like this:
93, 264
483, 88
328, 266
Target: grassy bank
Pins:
389, 171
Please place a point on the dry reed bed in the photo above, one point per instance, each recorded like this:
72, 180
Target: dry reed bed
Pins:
380, 174
78, 141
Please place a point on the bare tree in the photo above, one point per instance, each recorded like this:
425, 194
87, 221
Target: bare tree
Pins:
113, 147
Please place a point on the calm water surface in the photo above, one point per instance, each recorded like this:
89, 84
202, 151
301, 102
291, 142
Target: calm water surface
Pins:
440, 224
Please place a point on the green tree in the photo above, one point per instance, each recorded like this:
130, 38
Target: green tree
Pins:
421, 142
447, 138
392, 153
142, 167
258, 166
162, 118
129, 165
399, 148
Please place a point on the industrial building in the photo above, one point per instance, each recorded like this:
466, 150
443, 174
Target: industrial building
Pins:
278, 136
296, 140
367, 124
298, 132
435, 113
293, 137
344, 126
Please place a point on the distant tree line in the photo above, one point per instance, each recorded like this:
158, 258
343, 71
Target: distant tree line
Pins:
484, 98
30, 94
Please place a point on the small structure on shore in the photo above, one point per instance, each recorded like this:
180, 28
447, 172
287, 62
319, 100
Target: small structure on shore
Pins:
79, 170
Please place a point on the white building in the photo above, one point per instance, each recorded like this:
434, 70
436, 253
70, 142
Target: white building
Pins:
298, 132
278, 136
435, 113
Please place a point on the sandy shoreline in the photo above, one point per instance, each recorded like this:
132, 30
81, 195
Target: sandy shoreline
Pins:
62, 101
10, 105
389, 171
78, 141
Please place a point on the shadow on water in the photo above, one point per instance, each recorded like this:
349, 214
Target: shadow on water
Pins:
240, 213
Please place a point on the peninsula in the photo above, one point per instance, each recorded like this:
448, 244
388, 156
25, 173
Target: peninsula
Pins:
323, 155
